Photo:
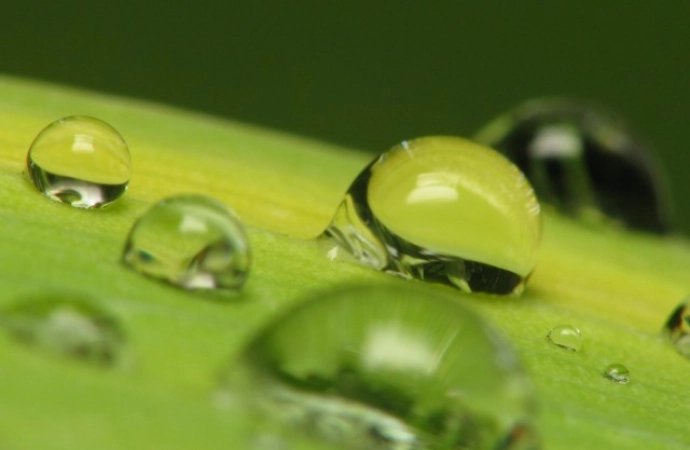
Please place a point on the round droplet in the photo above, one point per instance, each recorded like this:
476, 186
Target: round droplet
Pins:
567, 337
443, 209
382, 367
617, 373
584, 162
65, 324
190, 241
677, 328
81, 161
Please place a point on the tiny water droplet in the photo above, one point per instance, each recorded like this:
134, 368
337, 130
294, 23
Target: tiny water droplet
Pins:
190, 241
382, 367
567, 337
677, 328
81, 161
65, 324
617, 373
442, 209
583, 161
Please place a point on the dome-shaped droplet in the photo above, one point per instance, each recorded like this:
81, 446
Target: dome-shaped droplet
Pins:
443, 209
617, 373
583, 161
566, 336
382, 367
190, 241
677, 328
81, 161
65, 324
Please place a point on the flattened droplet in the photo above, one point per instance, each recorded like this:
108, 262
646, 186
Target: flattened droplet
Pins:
442, 209
584, 162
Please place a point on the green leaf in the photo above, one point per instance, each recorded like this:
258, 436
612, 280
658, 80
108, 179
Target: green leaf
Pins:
618, 288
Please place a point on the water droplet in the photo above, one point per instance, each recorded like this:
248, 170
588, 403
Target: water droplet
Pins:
677, 328
81, 161
66, 324
567, 337
618, 373
443, 209
584, 162
190, 241
382, 367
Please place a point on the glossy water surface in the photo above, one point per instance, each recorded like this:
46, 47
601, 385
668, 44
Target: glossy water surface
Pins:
81, 161
443, 209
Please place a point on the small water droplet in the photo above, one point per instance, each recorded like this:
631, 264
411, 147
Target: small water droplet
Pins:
66, 324
567, 337
442, 209
382, 367
81, 161
190, 241
617, 373
677, 328
584, 162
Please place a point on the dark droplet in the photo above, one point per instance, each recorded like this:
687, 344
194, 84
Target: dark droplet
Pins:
583, 161
677, 328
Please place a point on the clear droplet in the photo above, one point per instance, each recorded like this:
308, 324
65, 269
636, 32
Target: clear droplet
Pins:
443, 209
617, 373
567, 337
190, 241
584, 162
677, 328
66, 324
382, 367
81, 161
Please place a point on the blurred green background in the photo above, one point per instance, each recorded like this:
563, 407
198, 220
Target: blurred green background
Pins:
368, 74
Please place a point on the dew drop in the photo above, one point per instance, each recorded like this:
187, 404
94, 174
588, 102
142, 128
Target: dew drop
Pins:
442, 209
190, 241
617, 373
81, 161
567, 337
382, 367
677, 328
584, 162
69, 325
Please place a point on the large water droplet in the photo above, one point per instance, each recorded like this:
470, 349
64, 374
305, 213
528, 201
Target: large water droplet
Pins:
567, 337
617, 373
81, 161
443, 209
388, 368
583, 161
66, 324
677, 328
190, 241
